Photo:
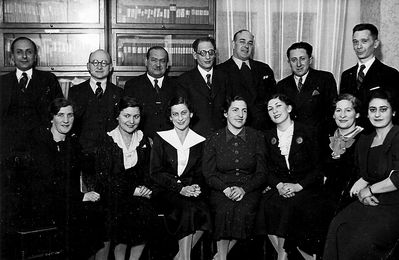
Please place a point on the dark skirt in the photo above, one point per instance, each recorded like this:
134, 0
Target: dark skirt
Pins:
234, 219
302, 219
362, 232
184, 215
133, 221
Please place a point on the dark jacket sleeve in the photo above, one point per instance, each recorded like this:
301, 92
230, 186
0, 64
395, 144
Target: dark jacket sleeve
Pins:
158, 169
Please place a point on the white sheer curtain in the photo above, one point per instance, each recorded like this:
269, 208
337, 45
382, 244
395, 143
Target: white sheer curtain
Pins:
277, 24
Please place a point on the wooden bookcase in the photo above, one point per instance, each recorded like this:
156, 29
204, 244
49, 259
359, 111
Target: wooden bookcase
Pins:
66, 31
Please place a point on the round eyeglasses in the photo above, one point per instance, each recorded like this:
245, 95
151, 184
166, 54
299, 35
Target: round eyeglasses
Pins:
103, 63
204, 52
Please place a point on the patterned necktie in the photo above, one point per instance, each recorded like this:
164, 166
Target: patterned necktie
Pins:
208, 81
23, 81
99, 90
156, 86
300, 84
360, 76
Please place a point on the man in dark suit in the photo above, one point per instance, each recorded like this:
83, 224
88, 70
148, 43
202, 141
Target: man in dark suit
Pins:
370, 73
251, 79
95, 102
312, 91
153, 90
206, 87
25, 95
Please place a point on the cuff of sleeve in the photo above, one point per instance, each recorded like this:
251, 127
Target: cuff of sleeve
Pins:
394, 176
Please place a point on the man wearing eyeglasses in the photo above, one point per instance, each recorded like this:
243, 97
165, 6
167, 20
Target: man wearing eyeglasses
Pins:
205, 87
153, 90
251, 79
95, 102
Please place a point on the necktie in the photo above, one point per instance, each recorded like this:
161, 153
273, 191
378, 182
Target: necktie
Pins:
300, 84
156, 86
22, 81
99, 90
208, 81
360, 76
246, 73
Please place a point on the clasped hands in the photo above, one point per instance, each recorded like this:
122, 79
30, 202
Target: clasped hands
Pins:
234, 193
288, 190
91, 196
142, 191
191, 190
362, 191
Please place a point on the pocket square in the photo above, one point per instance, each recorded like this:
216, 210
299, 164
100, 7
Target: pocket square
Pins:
315, 92
375, 88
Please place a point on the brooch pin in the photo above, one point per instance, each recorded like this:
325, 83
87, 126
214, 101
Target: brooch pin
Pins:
265, 77
299, 140
274, 141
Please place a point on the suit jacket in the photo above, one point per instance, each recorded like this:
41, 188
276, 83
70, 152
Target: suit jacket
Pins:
41, 90
313, 105
155, 105
93, 117
303, 158
378, 75
163, 166
255, 94
208, 105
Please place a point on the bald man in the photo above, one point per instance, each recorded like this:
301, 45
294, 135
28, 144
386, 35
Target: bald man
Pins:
95, 102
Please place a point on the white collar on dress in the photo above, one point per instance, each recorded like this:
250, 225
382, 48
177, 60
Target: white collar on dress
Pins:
171, 137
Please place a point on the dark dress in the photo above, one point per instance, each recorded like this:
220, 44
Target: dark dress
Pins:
184, 215
297, 218
55, 193
132, 218
340, 173
234, 160
369, 232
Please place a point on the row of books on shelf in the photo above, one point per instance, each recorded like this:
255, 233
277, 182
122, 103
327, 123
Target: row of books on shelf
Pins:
58, 11
131, 54
163, 15
60, 50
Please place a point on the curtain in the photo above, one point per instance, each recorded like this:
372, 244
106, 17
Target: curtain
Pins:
276, 24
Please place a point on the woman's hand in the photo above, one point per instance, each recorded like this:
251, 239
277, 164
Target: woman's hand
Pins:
227, 192
142, 191
237, 193
370, 201
191, 191
91, 196
359, 185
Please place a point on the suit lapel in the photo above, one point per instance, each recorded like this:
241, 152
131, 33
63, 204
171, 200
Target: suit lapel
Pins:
202, 88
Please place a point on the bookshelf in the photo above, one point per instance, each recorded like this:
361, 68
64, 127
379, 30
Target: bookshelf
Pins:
66, 31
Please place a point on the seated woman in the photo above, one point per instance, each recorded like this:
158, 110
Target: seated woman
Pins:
339, 167
176, 158
368, 228
124, 158
55, 183
288, 210
234, 169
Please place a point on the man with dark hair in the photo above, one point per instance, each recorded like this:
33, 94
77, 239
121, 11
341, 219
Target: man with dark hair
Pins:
251, 79
95, 102
312, 91
206, 88
25, 95
369, 73
153, 90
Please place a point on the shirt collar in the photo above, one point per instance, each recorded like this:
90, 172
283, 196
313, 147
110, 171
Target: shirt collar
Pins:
94, 86
28, 73
230, 135
367, 64
172, 138
204, 72
239, 62
303, 78
160, 80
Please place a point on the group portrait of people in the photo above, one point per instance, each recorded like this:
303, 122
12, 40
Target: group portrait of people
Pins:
222, 152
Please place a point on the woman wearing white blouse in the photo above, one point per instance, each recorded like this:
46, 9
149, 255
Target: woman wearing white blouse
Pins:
176, 171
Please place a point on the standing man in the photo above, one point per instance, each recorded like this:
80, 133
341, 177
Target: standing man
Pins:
312, 91
153, 90
95, 100
369, 73
206, 88
25, 95
251, 79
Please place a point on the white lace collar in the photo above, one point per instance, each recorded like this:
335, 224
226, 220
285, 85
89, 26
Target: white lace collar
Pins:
284, 141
